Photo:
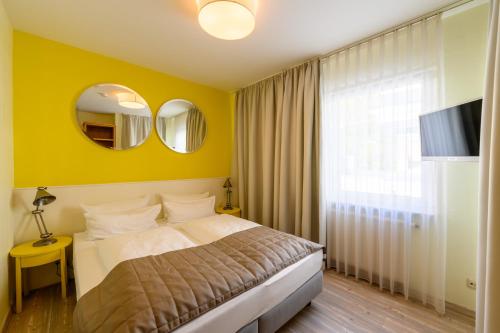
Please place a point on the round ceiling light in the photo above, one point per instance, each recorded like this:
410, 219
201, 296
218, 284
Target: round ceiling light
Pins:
129, 101
227, 19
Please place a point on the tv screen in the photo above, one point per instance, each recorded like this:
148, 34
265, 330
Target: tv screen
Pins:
452, 132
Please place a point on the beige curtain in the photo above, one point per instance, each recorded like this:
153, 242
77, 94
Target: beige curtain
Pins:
277, 143
195, 129
135, 129
162, 125
488, 292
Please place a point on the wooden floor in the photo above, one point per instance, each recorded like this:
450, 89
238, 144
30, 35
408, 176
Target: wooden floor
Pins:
45, 311
345, 305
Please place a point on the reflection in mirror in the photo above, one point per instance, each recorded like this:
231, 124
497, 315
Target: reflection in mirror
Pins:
113, 116
181, 126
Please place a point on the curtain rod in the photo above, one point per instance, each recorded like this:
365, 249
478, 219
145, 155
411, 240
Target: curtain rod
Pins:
364, 40
278, 73
398, 27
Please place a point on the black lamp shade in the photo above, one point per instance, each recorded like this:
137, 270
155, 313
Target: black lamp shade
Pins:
43, 197
228, 183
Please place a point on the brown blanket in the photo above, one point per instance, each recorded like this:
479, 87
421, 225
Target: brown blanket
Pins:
160, 293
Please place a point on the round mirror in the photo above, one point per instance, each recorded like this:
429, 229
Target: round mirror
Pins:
113, 116
181, 126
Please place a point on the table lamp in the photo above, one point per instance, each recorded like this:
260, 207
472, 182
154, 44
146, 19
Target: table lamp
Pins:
228, 186
42, 198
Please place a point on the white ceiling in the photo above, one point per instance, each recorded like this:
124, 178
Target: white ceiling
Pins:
103, 98
164, 34
174, 107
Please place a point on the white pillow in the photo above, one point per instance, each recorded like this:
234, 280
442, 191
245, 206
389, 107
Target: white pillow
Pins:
209, 229
177, 212
117, 206
183, 197
105, 225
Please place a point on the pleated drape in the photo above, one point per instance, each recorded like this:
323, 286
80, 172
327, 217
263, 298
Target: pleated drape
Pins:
195, 129
488, 291
163, 125
135, 129
277, 153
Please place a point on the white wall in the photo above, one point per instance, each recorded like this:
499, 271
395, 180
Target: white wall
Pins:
464, 59
6, 159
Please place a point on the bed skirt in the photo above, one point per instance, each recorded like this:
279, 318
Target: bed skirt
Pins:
273, 319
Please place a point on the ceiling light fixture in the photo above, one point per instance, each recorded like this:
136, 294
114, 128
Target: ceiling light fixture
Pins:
129, 101
227, 19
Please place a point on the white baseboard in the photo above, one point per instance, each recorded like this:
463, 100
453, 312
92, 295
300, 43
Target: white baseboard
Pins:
460, 309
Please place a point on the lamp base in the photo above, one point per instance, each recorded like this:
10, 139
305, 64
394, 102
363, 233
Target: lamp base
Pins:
44, 242
226, 207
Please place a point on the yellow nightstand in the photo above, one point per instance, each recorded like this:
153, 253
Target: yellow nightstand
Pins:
235, 211
27, 255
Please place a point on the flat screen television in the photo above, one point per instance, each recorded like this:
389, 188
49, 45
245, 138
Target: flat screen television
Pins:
452, 133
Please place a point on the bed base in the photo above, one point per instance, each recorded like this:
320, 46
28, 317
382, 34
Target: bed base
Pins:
273, 319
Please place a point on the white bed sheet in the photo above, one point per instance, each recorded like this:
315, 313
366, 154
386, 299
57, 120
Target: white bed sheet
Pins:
87, 265
228, 317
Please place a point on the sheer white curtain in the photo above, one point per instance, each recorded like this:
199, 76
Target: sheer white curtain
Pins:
381, 203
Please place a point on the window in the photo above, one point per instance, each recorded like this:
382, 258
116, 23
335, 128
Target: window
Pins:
371, 142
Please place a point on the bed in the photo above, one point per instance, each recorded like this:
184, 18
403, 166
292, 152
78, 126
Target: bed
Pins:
263, 308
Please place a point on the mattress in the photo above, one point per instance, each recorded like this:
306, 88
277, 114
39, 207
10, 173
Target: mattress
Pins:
228, 317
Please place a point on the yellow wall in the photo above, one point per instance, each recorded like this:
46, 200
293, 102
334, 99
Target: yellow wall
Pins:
6, 163
464, 58
48, 78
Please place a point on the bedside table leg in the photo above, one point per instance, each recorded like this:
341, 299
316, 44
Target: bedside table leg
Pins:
19, 296
63, 272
